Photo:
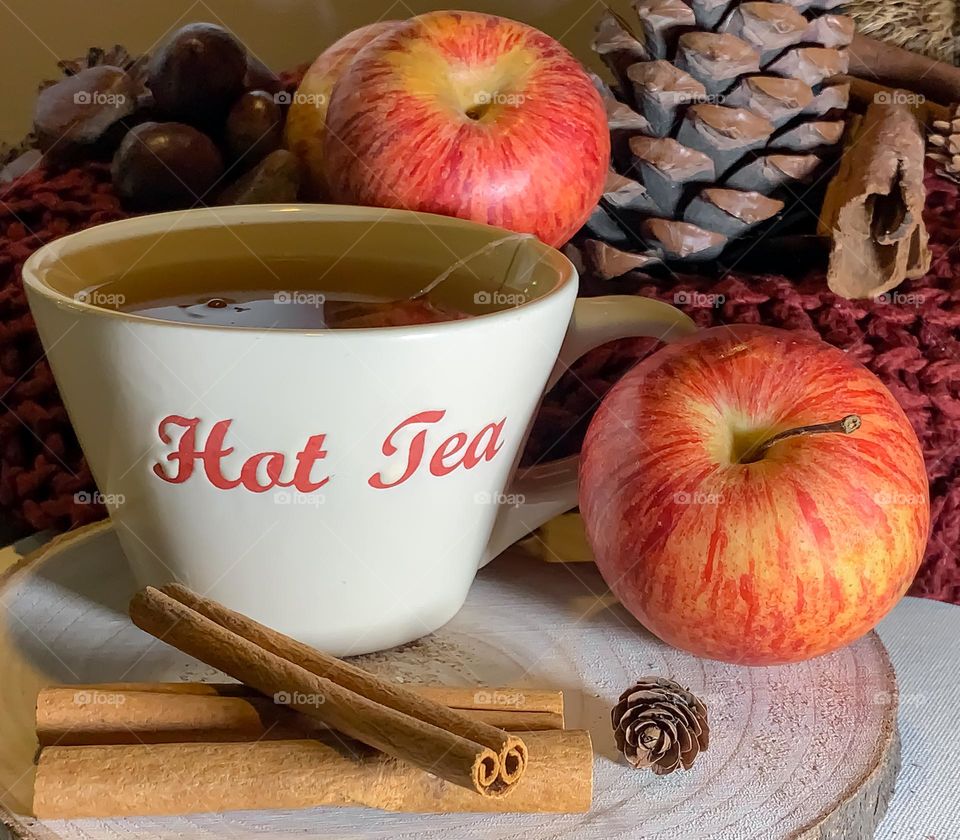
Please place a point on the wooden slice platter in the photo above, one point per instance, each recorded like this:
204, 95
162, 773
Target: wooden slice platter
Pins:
804, 751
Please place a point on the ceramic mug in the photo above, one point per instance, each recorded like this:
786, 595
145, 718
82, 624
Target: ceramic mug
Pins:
342, 486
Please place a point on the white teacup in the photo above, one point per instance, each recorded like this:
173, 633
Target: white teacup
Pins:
393, 451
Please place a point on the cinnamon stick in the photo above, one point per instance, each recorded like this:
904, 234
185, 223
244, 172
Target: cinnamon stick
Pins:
878, 61
874, 205
157, 713
510, 749
512, 700
395, 721
167, 779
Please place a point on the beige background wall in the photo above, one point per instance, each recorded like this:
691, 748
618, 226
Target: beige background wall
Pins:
35, 33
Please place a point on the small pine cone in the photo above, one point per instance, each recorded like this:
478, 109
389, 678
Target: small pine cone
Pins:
660, 725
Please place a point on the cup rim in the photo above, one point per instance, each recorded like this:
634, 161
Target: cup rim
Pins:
246, 214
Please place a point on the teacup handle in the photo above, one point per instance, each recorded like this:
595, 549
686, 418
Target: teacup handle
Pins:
548, 490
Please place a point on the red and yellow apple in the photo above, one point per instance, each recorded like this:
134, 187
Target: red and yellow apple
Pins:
733, 545
307, 115
469, 115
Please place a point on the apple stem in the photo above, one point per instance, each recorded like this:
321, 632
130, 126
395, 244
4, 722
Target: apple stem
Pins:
846, 426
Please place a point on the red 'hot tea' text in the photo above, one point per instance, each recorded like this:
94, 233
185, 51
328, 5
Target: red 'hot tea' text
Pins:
266, 470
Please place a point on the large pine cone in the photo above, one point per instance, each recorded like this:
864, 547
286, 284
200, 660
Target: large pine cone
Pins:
720, 113
660, 725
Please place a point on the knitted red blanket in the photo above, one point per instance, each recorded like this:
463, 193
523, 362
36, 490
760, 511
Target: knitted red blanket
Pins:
911, 341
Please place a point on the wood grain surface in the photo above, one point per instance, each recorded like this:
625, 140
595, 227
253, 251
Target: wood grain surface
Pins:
804, 751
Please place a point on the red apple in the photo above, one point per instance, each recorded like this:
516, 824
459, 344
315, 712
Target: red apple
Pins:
469, 115
306, 118
734, 546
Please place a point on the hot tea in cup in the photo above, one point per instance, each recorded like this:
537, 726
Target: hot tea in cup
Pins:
269, 292
313, 414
